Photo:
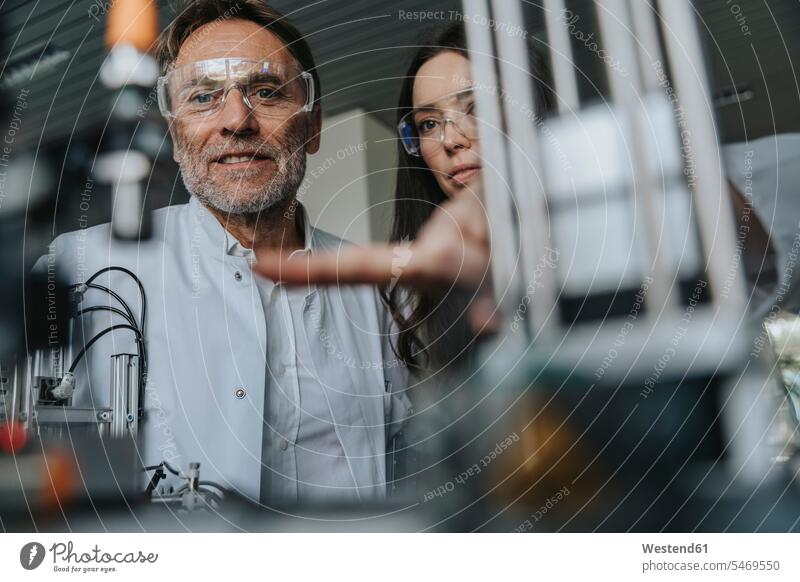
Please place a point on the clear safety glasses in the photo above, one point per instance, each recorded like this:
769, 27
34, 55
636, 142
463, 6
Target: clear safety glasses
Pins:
422, 130
268, 89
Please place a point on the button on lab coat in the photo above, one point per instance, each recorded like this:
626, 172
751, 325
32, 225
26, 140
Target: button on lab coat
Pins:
206, 342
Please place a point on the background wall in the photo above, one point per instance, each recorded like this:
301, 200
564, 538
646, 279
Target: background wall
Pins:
349, 183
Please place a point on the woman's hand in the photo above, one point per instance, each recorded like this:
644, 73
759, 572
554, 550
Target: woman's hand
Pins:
452, 247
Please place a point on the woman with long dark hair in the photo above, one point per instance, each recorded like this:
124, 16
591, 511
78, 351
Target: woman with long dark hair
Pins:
434, 331
438, 161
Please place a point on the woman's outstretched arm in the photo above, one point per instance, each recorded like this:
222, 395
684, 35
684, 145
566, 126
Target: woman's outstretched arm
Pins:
452, 247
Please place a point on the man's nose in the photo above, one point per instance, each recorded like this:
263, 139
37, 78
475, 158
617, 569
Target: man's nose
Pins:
454, 139
235, 116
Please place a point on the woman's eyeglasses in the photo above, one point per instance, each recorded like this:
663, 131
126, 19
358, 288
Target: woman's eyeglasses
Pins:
423, 129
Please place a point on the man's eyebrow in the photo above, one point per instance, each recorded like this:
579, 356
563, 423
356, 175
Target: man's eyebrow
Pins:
262, 77
199, 81
251, 78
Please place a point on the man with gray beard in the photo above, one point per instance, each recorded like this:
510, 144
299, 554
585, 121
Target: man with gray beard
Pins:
283, 395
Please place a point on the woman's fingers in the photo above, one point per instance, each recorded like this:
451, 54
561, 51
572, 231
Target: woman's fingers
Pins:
374, 265
410, 265
452, 247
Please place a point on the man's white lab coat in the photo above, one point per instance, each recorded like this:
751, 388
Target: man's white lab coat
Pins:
206, 339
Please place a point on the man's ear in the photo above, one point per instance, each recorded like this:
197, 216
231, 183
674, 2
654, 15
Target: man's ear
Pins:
315, 129
176, 154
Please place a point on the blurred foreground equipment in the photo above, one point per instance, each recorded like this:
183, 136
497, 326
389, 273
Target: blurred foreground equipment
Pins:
630, 390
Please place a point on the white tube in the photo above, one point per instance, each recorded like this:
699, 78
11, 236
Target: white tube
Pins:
526, 169
497, 195
563, 64
701, 147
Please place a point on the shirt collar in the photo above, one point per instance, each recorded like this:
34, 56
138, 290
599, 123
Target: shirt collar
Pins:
217, 234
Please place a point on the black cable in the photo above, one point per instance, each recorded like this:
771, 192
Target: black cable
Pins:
128, 317
142, 348
216, 497
112, 310
169, 468
138, 282
212, 484
139, 347
153, 484
165, 465
98, 336
116, 296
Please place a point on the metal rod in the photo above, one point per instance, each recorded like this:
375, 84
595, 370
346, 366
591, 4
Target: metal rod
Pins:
120, 389
27, 397
132, 414
16, 391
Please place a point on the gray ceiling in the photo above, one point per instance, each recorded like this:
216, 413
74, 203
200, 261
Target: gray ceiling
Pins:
361, 50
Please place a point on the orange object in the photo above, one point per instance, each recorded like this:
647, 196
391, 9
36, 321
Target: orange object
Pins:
13, 437
133, 22
59, 478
